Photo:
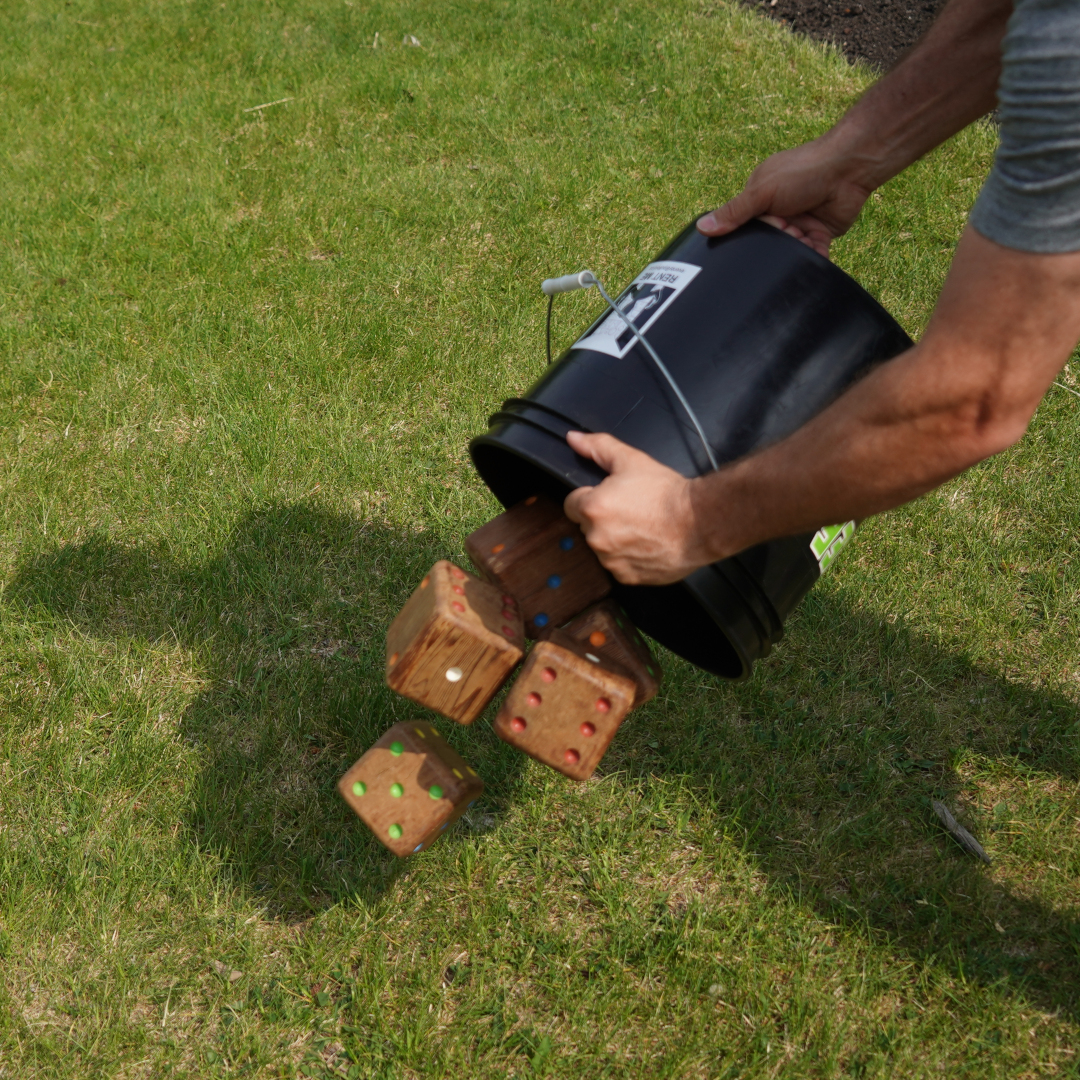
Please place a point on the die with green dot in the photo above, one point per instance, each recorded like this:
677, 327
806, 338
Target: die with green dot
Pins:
410, 786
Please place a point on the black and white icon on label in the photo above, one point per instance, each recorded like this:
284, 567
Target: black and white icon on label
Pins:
643, 302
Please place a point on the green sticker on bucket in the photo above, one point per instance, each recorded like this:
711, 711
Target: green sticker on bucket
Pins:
828, 542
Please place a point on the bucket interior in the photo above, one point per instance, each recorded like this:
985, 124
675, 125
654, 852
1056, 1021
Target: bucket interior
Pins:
513, 477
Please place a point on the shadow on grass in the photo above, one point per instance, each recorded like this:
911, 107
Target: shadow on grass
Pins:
827, 761
286, 626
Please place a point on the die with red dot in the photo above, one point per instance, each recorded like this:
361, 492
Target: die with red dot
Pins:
565, 706
410, 787
454, 644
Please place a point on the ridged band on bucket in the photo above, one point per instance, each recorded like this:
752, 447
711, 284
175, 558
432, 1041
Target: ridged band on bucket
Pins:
761, 334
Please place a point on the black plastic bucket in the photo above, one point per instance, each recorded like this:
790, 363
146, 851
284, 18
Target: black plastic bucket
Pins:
760, 333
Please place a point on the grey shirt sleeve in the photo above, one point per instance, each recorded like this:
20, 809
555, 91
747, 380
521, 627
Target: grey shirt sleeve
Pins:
1031, 199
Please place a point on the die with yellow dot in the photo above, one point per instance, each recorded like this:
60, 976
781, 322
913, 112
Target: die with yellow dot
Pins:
410, 787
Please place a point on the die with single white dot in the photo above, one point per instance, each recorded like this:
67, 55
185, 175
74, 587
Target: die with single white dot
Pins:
454, 644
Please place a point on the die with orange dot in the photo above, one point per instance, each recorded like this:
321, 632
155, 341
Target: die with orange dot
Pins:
609, 634
565, 706
454, 644
410, 787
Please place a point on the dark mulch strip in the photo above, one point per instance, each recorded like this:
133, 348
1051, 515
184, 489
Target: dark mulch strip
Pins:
878, 31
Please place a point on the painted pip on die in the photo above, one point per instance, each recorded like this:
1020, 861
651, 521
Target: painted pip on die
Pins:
565, 705
410, 787
534, 552
454, 643
607, 631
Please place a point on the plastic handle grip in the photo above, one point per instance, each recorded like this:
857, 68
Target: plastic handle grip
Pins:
568, 282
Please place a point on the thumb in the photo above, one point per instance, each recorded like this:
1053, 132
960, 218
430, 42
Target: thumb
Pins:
575, 511
607, 451
735, 212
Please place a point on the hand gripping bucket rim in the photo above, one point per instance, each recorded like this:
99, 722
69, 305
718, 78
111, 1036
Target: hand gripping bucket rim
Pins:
762, 333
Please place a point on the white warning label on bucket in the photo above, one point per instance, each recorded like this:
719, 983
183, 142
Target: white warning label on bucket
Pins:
647, 298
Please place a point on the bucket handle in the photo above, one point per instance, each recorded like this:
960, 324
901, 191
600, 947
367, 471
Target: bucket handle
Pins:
583, 280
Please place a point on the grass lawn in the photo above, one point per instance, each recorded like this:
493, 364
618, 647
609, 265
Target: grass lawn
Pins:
243, 352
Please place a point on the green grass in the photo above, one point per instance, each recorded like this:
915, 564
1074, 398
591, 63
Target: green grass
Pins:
243, 353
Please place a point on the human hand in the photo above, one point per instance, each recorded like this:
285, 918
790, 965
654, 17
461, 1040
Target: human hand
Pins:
639, 520
810, 192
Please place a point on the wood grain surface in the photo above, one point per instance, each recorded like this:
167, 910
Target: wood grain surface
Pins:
565, 706
607, 631
534, 552
454, 643
410, 787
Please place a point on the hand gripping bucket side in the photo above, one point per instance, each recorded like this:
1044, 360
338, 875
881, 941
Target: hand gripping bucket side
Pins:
760, 333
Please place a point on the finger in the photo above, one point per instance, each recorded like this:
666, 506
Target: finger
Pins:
735, 212
815, 241
815, 245
572, 505
815, 233
607, 451
776, 222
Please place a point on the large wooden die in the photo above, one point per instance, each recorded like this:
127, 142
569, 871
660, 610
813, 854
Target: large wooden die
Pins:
410, 787
565, 706
454, 643
606, 631
535, 552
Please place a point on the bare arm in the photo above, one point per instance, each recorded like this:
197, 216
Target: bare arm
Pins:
949, 79
1004, 325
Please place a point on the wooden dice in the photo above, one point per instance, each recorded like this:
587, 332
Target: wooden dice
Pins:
454, 643
565, 706
537, 554
410, 786
606, 631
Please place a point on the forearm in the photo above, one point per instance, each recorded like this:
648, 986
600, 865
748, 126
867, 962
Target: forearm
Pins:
947, 81
884, 443
1003, 327
815, 191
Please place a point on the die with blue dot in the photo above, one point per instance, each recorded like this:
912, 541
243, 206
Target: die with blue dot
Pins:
536, 554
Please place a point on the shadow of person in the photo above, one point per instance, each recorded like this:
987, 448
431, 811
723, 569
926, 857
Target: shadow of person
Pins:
285, 627
828, 760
